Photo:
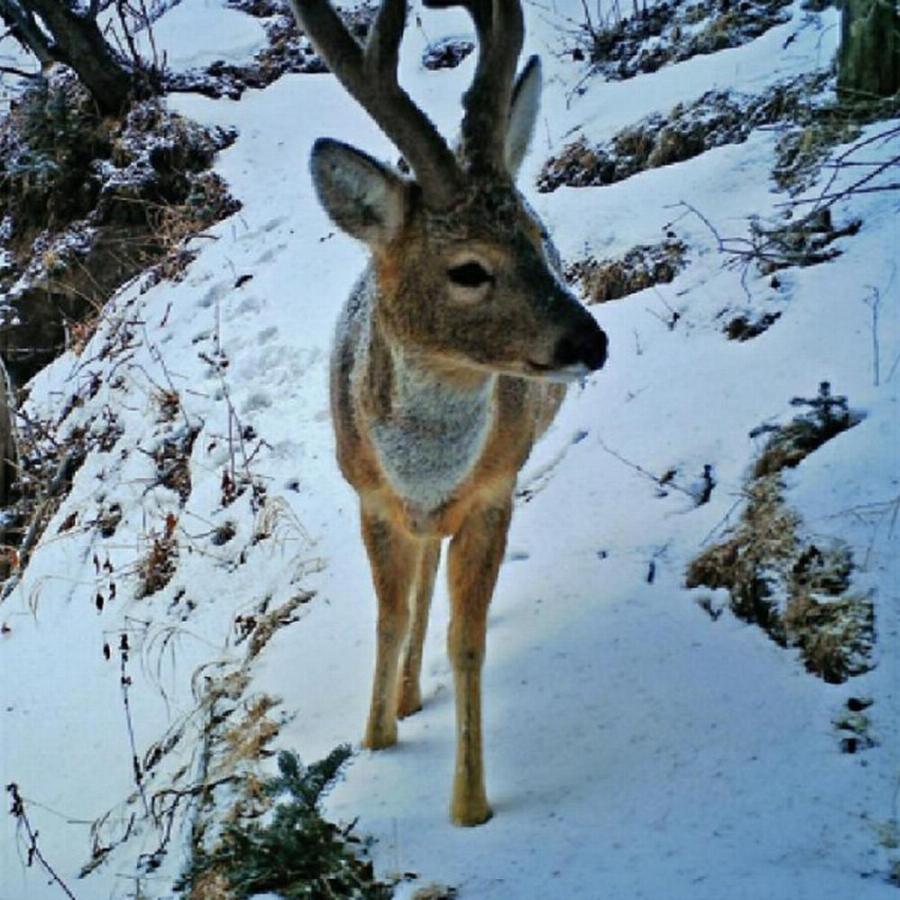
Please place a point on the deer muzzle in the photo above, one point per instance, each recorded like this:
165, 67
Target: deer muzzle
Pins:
582, 348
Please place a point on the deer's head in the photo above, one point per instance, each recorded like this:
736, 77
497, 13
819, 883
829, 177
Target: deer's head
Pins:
467, 274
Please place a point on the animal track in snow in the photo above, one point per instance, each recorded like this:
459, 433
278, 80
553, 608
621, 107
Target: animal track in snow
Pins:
271, 225
270, 254
256, 401
214, 294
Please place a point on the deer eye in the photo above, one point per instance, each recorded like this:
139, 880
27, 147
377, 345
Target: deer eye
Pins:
469, 275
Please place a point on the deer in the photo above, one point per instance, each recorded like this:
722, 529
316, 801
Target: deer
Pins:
452, 354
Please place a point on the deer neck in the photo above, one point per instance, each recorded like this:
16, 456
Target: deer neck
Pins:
430, 420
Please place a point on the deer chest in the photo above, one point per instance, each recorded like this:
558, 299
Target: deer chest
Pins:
432, 441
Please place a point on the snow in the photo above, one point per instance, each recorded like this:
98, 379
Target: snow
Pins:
635, 748
196, 33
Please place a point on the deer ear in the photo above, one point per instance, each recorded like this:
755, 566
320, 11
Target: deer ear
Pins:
526, 101
361, 196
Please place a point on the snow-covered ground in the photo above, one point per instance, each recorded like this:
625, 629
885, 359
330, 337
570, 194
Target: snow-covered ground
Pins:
635, 747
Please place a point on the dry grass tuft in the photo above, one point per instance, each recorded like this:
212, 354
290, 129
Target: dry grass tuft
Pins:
156, 569
641, 267
266, 625
246, 740
794, 588
211, 885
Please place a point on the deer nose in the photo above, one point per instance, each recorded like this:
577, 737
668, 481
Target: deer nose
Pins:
586, 345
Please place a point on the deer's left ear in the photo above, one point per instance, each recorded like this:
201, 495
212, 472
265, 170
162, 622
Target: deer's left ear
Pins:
526, 101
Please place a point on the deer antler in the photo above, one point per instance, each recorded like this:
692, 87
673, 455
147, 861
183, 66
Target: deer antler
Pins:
370, 75
501, 30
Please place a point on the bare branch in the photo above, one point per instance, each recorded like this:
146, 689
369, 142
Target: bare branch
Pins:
17, 810
21, 73
24, 28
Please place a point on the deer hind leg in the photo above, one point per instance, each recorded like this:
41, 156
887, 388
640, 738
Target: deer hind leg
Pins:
393, 556
410, 693
475, 555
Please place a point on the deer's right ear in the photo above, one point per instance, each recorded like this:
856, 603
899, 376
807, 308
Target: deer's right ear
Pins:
526, 101
361, 196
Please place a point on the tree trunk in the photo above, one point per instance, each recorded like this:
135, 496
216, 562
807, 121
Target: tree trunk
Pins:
869, 57
78, 43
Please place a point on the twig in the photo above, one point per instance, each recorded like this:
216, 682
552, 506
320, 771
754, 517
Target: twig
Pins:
724, 520
17, 810
148, 25
729, 246
842, 157
129, 36
893, 369
873, 301
125, 682
12, 70
157, 357
840, 195
674, 316
876, 514
690, 208
662, 483
850, 164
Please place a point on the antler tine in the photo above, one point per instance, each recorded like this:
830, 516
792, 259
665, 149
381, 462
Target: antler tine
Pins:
370, 76
501, 31
383, 44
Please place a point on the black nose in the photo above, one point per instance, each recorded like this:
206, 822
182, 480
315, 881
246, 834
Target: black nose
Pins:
587, 344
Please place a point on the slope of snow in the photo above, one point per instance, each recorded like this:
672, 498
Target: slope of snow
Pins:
635, 747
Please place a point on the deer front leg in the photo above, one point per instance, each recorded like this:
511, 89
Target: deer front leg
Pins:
410, 692
475, 555
393, 556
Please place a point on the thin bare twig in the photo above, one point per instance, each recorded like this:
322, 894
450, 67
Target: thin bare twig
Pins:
660, 482
853, 189
17, 810
125, 682
855, 147
21, 73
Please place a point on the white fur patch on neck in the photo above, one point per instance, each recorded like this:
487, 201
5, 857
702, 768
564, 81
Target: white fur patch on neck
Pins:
434, 436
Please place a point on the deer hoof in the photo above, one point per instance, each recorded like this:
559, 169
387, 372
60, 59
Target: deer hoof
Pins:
410, 703
380, 738
469, 815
